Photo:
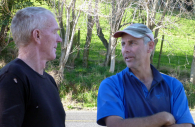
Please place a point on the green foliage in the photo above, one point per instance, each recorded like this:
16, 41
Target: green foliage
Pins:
9, 7
70, 107
190, 92
22, 4
9, 53
83, 83
7, 11
178, 44
176, 57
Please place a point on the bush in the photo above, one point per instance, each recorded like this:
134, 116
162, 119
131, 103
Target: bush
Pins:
190, 92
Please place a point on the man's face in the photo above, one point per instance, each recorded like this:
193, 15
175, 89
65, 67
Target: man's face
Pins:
134, 51
49, 39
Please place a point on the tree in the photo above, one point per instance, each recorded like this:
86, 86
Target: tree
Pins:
66, 44
151, 16
5, 19
192, 74
155, 14
89, 34
7, 9
118, 8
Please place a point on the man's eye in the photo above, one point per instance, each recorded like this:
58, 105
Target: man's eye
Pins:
132, 42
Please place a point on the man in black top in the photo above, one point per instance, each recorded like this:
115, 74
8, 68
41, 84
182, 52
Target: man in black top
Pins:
28, 95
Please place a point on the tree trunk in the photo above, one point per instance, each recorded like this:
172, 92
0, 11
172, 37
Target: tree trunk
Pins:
72, 54
108, 53
3, 35
68, 49
148, 13
78, 43
155, 42
60, 19
112, 61
66, 45
88, 38
192, 74
118, 9
157, 29
98, 27
6, 8
71, 41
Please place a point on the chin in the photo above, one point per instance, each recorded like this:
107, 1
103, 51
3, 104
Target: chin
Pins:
129, 66
53, 57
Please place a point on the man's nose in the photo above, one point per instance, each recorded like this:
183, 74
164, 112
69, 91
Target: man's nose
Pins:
59, 39
127, 48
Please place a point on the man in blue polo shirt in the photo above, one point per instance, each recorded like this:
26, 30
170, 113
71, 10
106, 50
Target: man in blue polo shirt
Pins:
140, 96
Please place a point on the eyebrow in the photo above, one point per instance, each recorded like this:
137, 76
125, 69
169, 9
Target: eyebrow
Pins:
130, 41
57, 29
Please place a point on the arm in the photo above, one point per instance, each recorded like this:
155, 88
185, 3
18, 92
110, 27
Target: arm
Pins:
156, 120
180, 125
179, 104
110, 100
11, 101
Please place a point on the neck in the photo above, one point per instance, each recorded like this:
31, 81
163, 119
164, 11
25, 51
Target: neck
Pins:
30, 55
144, 74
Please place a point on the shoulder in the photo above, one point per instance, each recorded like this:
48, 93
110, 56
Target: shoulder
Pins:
14, 67
117, 77
172, 82
113, 85
111, 97
114, 80
11, 74
50, 78
48, 75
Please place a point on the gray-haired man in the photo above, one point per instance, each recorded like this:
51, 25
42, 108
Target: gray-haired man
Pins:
28, 95
140, 96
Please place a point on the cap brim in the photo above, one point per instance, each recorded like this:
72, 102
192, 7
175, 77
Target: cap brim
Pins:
132, 33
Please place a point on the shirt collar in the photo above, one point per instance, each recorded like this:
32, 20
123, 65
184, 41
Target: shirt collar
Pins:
157, 77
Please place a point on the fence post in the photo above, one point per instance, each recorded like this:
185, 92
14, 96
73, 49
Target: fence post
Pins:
160, 52
78, 43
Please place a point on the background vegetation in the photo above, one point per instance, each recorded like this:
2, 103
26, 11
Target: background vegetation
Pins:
79, 87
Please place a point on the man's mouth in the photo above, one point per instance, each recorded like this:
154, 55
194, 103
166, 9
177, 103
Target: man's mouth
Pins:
128, 58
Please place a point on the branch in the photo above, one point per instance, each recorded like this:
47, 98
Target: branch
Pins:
99, 29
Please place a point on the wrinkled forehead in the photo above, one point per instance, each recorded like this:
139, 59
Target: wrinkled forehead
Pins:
126, 37
50, 22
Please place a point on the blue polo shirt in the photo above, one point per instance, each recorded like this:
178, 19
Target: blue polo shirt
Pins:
126, 96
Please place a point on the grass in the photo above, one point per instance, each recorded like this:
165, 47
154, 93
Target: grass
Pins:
80, 87
190, 93
175, 61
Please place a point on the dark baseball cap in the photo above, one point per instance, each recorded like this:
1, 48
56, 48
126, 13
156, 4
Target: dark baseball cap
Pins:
136, 30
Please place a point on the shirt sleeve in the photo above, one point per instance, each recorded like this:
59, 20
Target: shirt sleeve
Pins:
110, 101
180, 109
12, 105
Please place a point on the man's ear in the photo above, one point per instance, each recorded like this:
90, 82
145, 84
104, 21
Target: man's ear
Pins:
36, 35
150, 46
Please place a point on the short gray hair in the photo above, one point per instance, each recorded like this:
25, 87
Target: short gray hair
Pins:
25, 21
146, 40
